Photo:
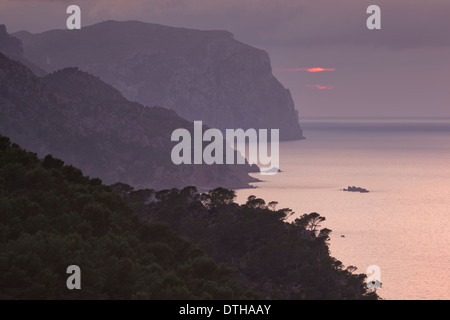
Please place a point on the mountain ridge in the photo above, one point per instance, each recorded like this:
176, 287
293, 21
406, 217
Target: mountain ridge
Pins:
75, 116
201, 74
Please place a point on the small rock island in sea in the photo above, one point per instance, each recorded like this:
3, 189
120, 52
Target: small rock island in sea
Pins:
356, 189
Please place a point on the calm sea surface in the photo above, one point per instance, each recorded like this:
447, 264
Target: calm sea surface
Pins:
403, 224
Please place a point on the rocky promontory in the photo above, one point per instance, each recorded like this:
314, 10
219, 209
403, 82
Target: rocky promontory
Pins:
77, 117
356, 189
202, 75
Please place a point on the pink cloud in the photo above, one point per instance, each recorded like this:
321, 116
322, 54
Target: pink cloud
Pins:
315, 69
320, 86
320, 69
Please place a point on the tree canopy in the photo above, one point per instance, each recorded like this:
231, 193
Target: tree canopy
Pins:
279, 259
148, 244
51, 216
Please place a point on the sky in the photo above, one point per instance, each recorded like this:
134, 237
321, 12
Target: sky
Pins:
321, 50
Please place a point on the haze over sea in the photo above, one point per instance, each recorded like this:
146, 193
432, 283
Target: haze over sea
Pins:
403, 224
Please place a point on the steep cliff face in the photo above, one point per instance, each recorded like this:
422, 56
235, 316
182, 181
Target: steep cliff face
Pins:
87, 123
13, 48
202, 75
10, 46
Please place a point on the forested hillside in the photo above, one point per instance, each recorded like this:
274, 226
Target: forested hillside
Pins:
51, 216
128, 245
279, 259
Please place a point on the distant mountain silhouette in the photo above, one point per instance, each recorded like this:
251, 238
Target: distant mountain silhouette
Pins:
87, 123
202, 75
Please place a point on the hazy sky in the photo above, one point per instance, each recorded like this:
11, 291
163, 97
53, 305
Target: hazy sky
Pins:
401, 70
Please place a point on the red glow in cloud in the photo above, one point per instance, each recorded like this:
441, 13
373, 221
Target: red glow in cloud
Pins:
320, 69
317, 69
320, 87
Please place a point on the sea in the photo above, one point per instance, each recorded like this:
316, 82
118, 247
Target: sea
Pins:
402, 226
